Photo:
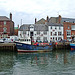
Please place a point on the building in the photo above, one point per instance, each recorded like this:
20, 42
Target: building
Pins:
38, 31
41, 21
41, 32
68, 26
16, 30
69, 30
6, 26
55, 31
61, 20
51, 29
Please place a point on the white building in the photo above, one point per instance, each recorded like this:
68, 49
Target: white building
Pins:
41, 32
55, 31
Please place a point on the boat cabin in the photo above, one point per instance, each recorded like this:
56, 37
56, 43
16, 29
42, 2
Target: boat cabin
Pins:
25, 40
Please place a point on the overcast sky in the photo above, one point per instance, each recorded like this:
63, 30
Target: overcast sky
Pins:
28, 10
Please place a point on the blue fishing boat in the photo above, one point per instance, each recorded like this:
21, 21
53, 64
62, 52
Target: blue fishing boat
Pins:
72, 46
23, 46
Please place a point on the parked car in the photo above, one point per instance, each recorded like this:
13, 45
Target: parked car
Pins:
62, 40
1, 41
7, 40
45, 41
69, 40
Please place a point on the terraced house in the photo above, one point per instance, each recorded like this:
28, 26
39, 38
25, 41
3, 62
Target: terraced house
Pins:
41, 32
68, 26
6, 26
54, 28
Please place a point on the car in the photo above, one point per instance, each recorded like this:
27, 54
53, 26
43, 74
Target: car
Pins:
1, 41
45, 41
7, 40
69, 40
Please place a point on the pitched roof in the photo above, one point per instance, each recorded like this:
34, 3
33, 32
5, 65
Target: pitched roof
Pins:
55, 20
55, 24
41, 21
40, 27
37, 27
2, 18
68, 20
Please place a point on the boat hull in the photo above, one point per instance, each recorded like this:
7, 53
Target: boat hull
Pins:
22, 47
72, 46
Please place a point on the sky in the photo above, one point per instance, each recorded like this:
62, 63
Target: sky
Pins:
25, 11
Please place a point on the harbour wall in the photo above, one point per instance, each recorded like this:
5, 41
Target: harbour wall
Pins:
8, 47
61, 45
12, 46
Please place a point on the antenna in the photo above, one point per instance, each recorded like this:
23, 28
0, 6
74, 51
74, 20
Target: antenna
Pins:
21, 21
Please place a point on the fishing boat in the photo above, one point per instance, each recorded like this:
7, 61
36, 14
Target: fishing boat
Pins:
25, 45
72, 46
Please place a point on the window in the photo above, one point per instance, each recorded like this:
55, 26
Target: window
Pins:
73, 27
51, 33
68, 38
45, 32
44, 38
59, 33
5, 29
59, 28
53, 38
24, 32
56, 38
55, 27
51, 27
59, 38
68, 27
20, 35
55, 33
38, 38
38, 32
4, 22
68, 33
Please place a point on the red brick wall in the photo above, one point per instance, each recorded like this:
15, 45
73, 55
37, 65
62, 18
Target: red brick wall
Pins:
8, 26
15, 31
66, 24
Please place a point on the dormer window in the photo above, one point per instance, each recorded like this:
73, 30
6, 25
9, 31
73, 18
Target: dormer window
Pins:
32, 28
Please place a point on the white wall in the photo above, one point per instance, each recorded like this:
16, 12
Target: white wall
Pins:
41, 35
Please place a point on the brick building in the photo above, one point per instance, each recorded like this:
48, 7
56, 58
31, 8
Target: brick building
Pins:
6, 26
69, 30
68, 26
16, 30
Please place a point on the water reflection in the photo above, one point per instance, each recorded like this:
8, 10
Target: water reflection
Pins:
6, 63
52, 63
36, 58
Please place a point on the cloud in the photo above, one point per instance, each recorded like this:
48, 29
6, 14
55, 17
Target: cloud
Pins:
29, 9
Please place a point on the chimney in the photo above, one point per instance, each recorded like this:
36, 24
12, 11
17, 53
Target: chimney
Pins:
59, 19
35, 20
11, 16
47, 19
18, 26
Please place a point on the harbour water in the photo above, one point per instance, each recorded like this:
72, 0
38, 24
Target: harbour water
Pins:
61, 62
